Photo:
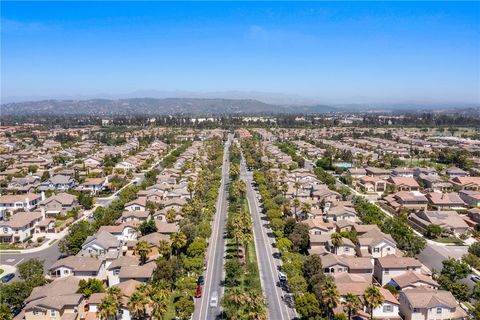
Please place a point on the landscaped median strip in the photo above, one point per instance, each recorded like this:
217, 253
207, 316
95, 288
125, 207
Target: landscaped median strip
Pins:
243, 294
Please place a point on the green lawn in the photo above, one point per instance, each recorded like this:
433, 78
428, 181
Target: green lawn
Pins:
1, 271
450, 240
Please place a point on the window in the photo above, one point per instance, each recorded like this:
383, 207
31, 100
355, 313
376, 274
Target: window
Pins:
5, 230
376, 249
35, 312
387, 271
439, 310
52, 313
116, 272
346, 249
388, 308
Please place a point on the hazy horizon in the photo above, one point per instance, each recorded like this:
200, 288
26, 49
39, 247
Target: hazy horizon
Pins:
299, 53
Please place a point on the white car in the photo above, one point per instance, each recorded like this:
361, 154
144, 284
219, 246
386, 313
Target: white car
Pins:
214, 300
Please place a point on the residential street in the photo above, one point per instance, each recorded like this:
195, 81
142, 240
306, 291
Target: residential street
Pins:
267, 255
214, 276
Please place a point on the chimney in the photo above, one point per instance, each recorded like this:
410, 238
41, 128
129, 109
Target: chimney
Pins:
43, 196
42, 209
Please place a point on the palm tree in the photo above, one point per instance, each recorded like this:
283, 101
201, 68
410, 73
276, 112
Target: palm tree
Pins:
351, 305
286, 208
284, 189
142, 248
159, 303
137, 304
190, 187
108, 308
296, 204
238, 229
306, 207
115, 293
296, 185
373, 298
164, 248
179, 240
171, 215
330, 297
337, 240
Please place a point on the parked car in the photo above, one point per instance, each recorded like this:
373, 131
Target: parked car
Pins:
214, 299
475, 279
282, 277
200, 280
198, 292
8, 277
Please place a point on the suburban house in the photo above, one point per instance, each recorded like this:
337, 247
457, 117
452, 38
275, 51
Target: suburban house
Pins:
59, 204
338, 213
407, 200
356, 173
403, 172
102, 244
19, 227
435, 183
55, 301
425, 304
404, 183
446, 201
127, 288
10, 203
413, 279
134, 216
141, 273
317, 226
377, 172
453, 172
449, 221
123, 232
113, 270
94, 185
376, 244
58, 182
333, 264
467, 183
139, 204
81, 267
372, 184
389, 309
24, 185
385, 268
471, 197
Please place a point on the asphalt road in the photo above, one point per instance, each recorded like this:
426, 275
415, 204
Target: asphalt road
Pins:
214, 275
48, 255
268, 257
433, 255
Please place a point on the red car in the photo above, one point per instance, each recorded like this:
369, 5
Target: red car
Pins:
198, 293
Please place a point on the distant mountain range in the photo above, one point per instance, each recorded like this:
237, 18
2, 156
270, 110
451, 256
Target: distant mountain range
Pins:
153, 106
199, 106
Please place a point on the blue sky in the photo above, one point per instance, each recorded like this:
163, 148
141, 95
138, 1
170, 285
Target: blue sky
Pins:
331, 51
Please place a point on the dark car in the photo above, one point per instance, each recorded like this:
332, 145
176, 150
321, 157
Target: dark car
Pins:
8, 277
201, 280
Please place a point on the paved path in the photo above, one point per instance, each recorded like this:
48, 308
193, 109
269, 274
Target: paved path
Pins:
214, 276
268, 256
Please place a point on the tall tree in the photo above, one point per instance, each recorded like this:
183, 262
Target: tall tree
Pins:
351, 304
137, 304
142, 248
373, 298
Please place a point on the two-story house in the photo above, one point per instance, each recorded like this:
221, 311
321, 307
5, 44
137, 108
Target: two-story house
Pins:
385, 268
19, 227
426, 303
